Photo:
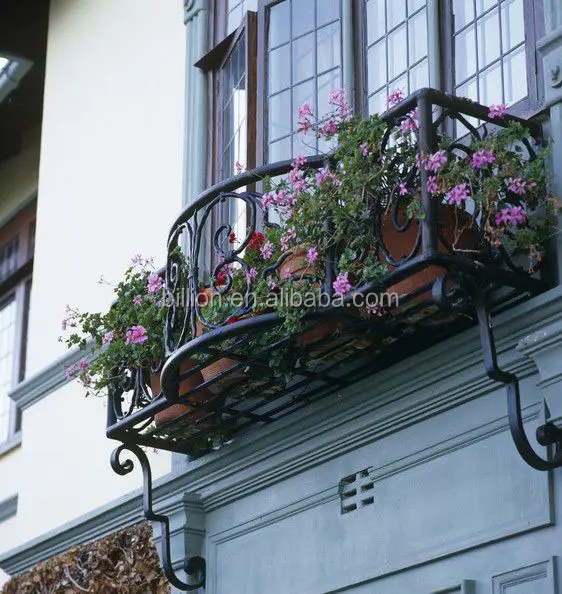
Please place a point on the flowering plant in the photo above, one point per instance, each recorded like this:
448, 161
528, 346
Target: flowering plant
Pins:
489, 186
129, 335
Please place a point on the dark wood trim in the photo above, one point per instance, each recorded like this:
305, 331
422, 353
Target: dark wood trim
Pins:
251, 86
261, 90
446, 45
360, 91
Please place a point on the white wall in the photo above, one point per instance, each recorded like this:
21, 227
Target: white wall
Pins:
109, 186
111, 160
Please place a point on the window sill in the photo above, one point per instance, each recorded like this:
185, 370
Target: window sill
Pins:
13, 442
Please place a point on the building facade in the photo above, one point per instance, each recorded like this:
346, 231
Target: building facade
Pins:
405, 481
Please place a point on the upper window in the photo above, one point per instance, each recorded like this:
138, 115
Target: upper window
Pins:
480, 49
303, 62
490, 53
397, 48
16, 253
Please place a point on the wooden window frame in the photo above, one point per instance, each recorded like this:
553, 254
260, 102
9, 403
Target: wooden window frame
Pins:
17, 287
533, 103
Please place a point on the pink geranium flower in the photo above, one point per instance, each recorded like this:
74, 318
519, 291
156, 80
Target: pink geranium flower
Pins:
342, 285
497, 111
136, 335
483, 157
458, 194
312, 255
155, 284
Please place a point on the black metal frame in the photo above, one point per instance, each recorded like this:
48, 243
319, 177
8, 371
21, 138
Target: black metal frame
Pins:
478, 284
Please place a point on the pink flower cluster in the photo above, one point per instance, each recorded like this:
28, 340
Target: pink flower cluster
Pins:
409, 123
497, 111
519, 186
305, 115
342, 285
312, 255
287, 239
107, 338
136, 335
338, 99
395, 97
326, 174
155, 284
458, 194
483, 157
267, 250
511, 215
74, 370
432, 162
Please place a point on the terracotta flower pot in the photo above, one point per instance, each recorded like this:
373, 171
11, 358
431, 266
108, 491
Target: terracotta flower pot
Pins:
295, 265
221, 365
400, 244
187, 385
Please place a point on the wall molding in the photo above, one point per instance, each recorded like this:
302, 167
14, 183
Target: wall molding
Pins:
8, 508
507, 583
429, 553
46, 381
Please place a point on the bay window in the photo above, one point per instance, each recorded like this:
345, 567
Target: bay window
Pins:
481, 49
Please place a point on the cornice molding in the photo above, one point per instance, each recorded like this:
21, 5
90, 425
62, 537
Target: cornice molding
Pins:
49, 379
8, 508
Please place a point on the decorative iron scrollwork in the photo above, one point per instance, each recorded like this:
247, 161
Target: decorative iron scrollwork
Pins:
194, 566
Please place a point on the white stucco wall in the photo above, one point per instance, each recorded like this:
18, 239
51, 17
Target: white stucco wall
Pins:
109, 187
111, 160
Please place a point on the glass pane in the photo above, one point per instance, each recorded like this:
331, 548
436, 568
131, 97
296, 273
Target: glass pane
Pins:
483, 5
513, 25
417, 35
280, 150
279, 73
463, 11
327, 11
515, 76
397, 47
304, 144
235, 17
303, 58
302, 93
303, 17
414, 5
329, 47
465, 54
7, 343
279, 24
491, 86
419, 76
399, 83
377, 102
327, 82
279, 115
395, 12
375, 20
469, 90
376, 61
488, 38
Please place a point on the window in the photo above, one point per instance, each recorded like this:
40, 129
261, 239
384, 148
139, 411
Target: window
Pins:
481, 49
397, 48
16, 254
303, 62
490, 54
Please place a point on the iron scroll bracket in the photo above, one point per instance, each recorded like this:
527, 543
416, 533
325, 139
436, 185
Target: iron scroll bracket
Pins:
547, 435
194, 566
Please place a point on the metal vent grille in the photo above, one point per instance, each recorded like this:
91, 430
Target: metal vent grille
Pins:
356, 491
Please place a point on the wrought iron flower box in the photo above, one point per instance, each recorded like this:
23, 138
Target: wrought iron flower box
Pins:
248, 393
465, 290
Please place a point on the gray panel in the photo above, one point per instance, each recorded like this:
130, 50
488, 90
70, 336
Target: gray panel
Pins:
534, 579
